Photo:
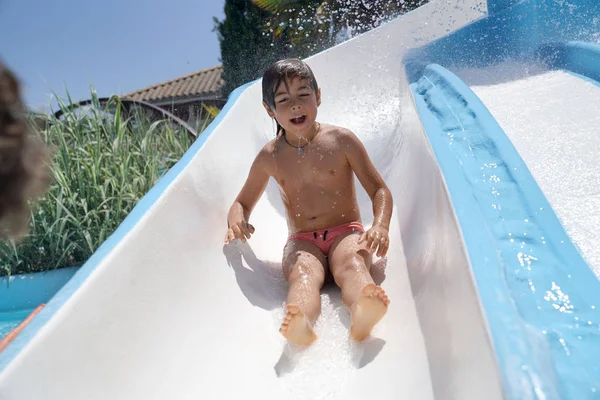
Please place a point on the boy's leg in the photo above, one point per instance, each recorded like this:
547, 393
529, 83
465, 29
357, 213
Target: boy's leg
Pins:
304, 268
350, 265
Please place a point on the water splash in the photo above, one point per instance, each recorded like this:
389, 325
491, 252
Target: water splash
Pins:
321, 370
331, 23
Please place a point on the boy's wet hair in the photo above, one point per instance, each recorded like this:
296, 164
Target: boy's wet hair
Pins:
24, 172
283, 71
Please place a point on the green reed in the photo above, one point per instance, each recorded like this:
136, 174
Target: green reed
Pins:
103, 163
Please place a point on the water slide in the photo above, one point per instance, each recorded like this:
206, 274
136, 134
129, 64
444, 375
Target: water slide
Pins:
481, 119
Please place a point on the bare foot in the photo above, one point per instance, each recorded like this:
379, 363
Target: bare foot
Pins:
368, 310
296, 327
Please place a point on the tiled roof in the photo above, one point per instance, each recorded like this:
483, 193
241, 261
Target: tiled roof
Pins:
201, 84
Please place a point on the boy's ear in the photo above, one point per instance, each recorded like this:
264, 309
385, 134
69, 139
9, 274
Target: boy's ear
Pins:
319, 97
271, 114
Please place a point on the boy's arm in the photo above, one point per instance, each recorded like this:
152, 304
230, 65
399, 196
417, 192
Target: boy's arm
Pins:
239, 212
376, 188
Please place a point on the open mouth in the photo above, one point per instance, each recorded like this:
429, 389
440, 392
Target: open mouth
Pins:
298, 120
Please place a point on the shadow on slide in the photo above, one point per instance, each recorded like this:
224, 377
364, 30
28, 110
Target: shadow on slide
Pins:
263, 284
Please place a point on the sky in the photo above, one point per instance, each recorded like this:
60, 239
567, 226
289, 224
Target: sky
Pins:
116, 46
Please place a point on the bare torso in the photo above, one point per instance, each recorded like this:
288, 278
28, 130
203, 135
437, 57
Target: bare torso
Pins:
316, 186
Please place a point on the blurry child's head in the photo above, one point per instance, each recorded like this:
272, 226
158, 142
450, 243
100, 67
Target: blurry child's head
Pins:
23, 160
291, 95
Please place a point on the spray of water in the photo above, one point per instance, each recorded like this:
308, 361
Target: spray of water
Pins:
321, 370
323, 24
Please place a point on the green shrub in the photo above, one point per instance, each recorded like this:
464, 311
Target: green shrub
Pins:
103, 164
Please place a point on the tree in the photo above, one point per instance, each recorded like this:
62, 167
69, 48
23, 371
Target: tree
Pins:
302, 26
255, 33
244, 49
247, 47
344, 18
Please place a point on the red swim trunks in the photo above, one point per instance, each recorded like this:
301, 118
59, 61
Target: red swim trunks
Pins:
324, 238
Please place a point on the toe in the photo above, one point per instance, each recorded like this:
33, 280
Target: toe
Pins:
383, 296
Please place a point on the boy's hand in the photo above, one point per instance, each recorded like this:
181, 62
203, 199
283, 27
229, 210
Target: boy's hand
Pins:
241, 230
377, 240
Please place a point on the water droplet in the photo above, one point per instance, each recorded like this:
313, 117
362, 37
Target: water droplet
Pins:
297, 215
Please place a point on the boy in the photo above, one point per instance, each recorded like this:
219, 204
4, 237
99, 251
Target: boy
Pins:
313, 164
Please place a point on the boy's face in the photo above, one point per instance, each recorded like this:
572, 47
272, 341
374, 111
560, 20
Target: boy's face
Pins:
295, 106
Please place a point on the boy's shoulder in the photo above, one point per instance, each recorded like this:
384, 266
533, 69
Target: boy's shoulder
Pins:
336, 130
268, 148
265, 154
340, 133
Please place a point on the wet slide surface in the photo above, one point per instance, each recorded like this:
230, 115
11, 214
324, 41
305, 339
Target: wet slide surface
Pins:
552, 119
166, 310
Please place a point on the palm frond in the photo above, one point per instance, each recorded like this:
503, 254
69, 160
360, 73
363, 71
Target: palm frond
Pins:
272, 5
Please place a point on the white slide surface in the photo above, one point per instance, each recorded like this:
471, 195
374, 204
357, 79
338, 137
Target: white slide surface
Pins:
552, 119
173, 313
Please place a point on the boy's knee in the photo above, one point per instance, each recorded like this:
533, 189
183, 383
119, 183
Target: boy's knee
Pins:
349, 266
307, 272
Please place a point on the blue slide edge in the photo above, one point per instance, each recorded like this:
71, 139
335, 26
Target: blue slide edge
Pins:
136, 214
539, 296
581, 58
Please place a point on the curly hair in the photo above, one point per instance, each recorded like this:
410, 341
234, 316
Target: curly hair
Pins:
24, 172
